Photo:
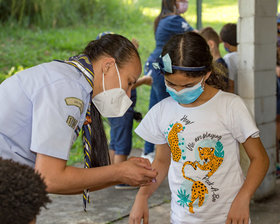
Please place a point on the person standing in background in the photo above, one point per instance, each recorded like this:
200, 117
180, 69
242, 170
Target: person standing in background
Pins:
228, 36
213, 41
278, 99
121, 127
167, 23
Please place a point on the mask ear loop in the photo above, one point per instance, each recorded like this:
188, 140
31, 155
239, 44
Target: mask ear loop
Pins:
118, 75
103, 81
202, 82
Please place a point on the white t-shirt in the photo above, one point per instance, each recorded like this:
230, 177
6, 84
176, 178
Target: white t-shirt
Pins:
231, 60
209, 134
41, 108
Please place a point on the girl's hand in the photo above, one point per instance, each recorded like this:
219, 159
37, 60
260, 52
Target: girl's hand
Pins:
139, 211
239, 212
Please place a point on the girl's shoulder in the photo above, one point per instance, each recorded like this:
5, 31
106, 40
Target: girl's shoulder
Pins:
173, 18
164, 104
227, 99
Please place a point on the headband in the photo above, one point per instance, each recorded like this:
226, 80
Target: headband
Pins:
164, 64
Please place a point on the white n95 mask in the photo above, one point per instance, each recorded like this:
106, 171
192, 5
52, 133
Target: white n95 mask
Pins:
112, 102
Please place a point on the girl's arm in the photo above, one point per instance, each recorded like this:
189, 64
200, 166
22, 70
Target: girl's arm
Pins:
161, 163
147, 80
239, 211
62, 179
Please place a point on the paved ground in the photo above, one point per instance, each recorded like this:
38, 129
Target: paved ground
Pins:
113, 206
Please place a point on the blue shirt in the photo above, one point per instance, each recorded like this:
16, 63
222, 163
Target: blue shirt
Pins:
41, 108
167, 27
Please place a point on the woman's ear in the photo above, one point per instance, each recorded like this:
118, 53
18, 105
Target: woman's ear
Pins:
107, 63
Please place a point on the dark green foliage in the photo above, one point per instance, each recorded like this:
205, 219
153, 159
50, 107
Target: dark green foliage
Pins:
58, 13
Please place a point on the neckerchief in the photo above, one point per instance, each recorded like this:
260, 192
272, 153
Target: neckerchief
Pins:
83, 64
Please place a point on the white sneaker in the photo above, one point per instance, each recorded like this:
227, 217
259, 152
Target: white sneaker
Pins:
150, 156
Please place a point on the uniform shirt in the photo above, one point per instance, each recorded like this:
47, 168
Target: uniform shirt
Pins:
167, 27
206, 137
41, 108
231, 60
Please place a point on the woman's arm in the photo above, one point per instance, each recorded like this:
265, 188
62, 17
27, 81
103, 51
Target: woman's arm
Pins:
62, 179
140, 206
239, 211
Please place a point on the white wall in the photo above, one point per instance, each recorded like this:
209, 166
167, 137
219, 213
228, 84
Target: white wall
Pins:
256, 76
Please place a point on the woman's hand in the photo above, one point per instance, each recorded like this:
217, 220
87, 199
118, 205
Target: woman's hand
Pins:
239, 212
139, 211
136, 171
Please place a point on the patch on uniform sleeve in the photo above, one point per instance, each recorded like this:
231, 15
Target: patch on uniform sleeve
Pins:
73, 101
72, 122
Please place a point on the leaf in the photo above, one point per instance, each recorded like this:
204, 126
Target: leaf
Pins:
219, 152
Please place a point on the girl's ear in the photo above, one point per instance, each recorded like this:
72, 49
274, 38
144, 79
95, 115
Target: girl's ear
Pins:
207, 76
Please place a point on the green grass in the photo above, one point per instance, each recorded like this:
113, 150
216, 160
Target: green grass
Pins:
26, 47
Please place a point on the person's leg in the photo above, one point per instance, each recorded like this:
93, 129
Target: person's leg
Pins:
160, 88
158, 93
123, 137
119, 158
112, 155
123, 142
278, 120
149, 147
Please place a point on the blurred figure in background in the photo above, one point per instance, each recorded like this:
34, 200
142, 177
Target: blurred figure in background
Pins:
278, 99
228, 36
213, 41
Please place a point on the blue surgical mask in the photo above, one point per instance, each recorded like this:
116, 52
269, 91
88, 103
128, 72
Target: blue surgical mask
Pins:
227, 50
186, 95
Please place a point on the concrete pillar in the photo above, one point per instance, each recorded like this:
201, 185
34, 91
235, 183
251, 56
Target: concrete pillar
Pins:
256, 75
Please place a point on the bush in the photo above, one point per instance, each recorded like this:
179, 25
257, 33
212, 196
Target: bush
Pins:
58, 13
13, 70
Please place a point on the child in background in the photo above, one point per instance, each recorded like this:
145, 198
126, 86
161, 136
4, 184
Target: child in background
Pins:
213, 41
228, 36
197, 133
22, 193
121, 127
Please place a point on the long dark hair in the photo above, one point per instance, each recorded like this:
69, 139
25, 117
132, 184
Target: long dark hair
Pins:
191, 50
122, 50
167, 8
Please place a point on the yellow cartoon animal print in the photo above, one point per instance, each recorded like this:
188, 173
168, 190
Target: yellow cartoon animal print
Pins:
210, 160
198, 190
173, 141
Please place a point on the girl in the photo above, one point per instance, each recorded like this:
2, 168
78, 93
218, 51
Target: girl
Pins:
197, 133
168, 23
47, 105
